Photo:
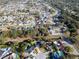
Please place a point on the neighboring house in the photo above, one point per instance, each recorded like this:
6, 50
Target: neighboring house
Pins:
1, 52
55, 32
5, 52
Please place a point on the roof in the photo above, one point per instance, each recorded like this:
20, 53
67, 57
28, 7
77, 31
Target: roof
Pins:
1, 52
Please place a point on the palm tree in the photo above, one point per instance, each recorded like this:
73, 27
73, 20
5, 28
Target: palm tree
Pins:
54, 47
21, 49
